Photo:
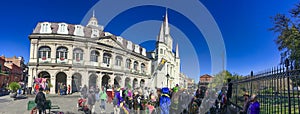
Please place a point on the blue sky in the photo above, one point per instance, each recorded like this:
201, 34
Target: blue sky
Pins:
244, 25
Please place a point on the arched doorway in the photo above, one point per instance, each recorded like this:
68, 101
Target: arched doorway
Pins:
105, 80
44, 74
44, 80
93, 80
142, 83
127, 83
134, 83
117, 81
61, 78
76, 82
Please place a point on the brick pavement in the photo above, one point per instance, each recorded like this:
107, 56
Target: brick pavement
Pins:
67, 104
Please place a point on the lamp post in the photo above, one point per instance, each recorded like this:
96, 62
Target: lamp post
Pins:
168, 76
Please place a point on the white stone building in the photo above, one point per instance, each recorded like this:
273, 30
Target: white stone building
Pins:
79, 55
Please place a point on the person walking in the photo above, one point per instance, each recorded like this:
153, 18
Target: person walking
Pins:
165, 101
118, 100
97, 90
254, 107
91, 100
36, 88
246, 104
69, 89
84, 92
103, 98
40, 100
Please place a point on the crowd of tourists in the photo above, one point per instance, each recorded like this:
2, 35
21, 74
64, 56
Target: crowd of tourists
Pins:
174, 100
165, 100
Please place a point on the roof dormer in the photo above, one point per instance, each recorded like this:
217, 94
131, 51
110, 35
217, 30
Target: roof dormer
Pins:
62, 28
45, 27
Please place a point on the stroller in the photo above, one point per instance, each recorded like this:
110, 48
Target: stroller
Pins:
82, 106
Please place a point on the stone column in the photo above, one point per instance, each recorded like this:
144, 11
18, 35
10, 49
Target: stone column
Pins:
84, 78
53, 53
69, 81
86, 55
70, 54
30, 76
112, 60
31, 50
112, 80
100, 56
99, 80
53, 82
35, 50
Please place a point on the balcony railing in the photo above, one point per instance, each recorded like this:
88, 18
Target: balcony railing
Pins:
62, 60
78, 62
44, 60
104, 65
96, 64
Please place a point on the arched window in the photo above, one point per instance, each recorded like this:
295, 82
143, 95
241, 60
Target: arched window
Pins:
135, 65
78, 54
62, 53
143, 67
128, 63
118, 60
44, 52
94, 56
106, 58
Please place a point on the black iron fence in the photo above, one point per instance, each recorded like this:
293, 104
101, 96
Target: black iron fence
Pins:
278, 89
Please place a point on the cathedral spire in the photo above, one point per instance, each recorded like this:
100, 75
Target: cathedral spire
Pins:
164, 29
177, 51
166, 23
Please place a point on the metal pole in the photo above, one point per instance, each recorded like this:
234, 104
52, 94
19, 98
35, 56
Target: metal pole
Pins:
167, 81
251, 75
236, 90
288, 84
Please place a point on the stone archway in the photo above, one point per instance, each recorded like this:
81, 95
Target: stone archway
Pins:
142, 83
134, 83
93, 80
44, 74
127, 83
44, 80
61, 78
117, 81
76, 82
105, 80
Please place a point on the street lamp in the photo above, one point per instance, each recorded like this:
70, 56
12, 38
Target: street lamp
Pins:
168, 76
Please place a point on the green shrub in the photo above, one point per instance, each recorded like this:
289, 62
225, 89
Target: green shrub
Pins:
14, 86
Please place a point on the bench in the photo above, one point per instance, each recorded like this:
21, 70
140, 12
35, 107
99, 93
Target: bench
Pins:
49, 106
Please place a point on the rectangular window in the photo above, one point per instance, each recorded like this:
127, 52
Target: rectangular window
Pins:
39, 55
49, 54
81, 56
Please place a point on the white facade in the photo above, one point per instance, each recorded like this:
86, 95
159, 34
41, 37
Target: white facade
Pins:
164, 50
85, 55
79, 55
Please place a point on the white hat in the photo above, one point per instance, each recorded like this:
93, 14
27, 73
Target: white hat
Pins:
253, 97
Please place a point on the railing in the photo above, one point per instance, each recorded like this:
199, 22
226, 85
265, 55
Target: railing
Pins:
277, 89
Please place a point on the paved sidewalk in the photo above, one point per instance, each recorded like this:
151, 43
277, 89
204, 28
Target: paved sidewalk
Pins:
67, 104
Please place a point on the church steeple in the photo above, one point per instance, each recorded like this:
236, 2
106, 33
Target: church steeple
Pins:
93, 20
177, 51
164, 30
166, 22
